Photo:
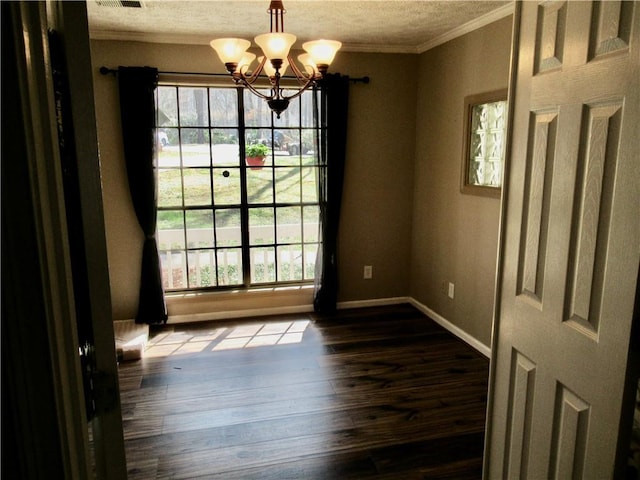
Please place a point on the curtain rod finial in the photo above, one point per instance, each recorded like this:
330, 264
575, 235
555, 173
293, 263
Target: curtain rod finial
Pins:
107, 71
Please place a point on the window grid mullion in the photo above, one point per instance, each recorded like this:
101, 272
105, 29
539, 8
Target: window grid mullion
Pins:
244, 209
213, 200
300, 190
184, 211
274, 169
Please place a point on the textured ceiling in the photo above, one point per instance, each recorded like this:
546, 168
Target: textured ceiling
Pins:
361, 25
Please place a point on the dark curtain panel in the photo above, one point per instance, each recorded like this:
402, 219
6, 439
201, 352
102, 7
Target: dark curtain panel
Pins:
333, 111
137, 110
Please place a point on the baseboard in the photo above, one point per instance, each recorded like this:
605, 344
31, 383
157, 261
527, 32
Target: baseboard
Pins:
375, 302
457, 331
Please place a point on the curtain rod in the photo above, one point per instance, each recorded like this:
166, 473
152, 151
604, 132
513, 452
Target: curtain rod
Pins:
114, 72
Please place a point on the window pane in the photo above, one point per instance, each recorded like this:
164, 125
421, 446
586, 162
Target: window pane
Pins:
193, 107
310, 184
168, 151
169, 219
169, 187
310, 253
224, 106
170, 239
197, 186
230, 266
226, 186
311, 224
263, 267
306, 100
225, 149
288, 152
256, 110
308, 147
260, 186
289, 263
202, 268
281, 139
174, 269
199, 228
195, 147
288, 185
261, 228
263, 136
289, 226
228, 228
167, 113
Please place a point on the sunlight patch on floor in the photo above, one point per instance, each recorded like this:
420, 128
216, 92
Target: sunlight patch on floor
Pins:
262, 335
244, 336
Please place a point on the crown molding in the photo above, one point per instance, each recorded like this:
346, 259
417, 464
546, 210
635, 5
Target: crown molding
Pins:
364, 48
468, 27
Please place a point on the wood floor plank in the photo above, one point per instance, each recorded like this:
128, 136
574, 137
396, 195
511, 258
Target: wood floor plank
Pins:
343, 466
424, 454
272, 430
192, 464
373, 393
213, 400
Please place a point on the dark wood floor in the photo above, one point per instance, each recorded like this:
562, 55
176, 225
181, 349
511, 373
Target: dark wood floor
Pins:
380, 393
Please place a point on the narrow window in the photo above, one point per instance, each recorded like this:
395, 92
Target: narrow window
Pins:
484, 143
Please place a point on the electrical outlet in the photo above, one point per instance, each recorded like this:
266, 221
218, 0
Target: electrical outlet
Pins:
368, 272
452, 288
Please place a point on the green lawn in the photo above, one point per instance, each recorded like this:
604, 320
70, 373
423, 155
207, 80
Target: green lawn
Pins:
220, 186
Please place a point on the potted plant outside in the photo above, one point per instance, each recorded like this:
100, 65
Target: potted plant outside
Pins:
255, 154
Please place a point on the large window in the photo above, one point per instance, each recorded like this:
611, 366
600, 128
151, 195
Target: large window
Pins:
222, 223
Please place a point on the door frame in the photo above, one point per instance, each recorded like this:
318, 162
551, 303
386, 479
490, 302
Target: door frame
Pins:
105, 459
504, 194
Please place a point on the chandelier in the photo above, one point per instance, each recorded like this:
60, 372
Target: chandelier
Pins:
275, 47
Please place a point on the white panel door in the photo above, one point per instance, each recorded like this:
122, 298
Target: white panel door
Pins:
570, 242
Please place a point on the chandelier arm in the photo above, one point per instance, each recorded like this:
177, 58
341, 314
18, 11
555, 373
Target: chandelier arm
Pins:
301, 77
310, 82
256, 92
249, 79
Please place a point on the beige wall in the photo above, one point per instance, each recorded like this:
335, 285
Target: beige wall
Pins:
376, 215
455, 236
375, 227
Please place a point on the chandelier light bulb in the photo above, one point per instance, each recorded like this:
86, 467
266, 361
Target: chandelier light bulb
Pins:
245, 62
275, 46
271, 71
322, 52
308, 64
230, 50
